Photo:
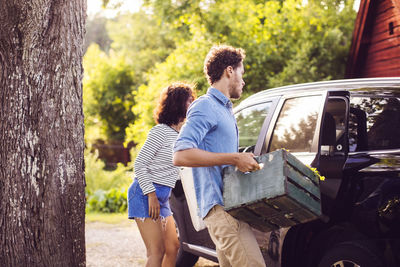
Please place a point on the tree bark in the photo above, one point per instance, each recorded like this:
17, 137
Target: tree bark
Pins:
42, 188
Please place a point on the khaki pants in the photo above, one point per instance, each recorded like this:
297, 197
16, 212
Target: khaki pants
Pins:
235, 241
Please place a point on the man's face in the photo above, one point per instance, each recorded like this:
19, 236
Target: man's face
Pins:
236, 82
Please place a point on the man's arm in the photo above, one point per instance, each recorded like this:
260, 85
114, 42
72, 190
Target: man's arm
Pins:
195, 157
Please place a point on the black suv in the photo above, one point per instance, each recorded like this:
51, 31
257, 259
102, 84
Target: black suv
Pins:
350, 131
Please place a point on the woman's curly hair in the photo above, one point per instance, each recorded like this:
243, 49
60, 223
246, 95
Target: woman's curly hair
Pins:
219, 58
171, 108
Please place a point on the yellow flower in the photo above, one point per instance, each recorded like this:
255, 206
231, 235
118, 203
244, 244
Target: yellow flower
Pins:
316, 172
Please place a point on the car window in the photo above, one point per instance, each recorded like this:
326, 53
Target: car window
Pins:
374, 123
296, 124
249, 122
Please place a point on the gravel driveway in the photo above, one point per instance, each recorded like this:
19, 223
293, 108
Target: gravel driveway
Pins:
118, 245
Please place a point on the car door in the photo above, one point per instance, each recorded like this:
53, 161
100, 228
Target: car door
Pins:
312, 126
294, 125
333, 147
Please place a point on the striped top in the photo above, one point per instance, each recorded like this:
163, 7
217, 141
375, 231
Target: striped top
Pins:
154, 161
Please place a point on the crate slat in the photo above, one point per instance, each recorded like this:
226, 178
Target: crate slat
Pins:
297, 164
304, 199
303, 181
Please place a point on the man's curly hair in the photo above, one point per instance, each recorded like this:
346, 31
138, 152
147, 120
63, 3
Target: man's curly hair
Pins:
219, 58
171, 108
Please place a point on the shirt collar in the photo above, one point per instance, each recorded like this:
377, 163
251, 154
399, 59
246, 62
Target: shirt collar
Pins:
219, 96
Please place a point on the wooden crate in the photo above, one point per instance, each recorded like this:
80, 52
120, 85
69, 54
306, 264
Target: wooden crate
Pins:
283, 193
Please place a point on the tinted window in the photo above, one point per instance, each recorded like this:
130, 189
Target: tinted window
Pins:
295, 127
250, 121
374, 123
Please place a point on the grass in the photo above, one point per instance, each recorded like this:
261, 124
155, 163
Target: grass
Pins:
110, 218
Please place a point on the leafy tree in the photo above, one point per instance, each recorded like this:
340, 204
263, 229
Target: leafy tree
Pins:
96, 33
141, 40
286, 42
176, 16
97, 178
184, 64
111, 81
108, 94
322, 31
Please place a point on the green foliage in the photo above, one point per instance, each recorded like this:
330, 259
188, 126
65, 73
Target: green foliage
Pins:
177, 67
110, 201
141, 41
176, 15
286, 42
105, 190
96, 33
98, 178
108, 93
322, 39
111, 81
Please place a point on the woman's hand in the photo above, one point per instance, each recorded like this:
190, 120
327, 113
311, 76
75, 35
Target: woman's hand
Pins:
154, 206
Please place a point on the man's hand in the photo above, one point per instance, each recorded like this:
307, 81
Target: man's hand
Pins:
246, 162
154, 206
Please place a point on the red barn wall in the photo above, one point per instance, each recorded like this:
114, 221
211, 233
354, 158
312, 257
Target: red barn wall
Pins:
382, 42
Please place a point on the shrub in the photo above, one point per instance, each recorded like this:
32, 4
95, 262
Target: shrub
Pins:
99, 178
110, 201
106, 191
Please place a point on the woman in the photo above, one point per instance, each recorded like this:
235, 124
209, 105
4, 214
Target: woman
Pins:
148, 196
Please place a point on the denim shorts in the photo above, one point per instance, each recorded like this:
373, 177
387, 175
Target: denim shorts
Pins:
138, 204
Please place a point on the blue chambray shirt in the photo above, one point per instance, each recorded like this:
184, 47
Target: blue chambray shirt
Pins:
210, 126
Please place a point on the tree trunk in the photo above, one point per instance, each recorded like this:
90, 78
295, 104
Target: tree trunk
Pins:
42, 194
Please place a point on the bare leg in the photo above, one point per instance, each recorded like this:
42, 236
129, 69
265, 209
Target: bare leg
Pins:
171, 243
152, 235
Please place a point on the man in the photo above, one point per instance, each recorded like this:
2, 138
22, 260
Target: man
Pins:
209, 142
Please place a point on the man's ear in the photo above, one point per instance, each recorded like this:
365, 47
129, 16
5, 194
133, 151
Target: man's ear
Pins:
229, 71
